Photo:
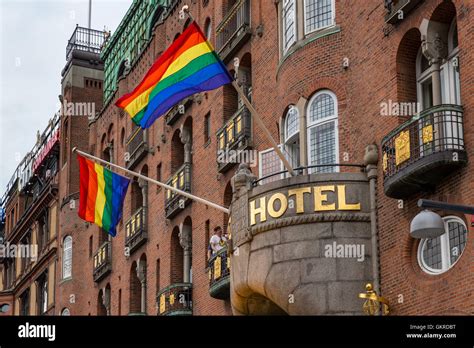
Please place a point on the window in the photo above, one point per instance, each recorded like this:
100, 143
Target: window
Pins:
43, 230
269, 163
91, 245
43, 293
158, 176
318, 14
437, 255
289, 24
207, 128
65, 312
291, 136
25, 302
323, 147
67, 257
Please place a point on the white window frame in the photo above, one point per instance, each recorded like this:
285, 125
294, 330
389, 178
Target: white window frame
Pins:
311, 124
65, 312
69, 275
333, 18
445, 249
286, 46
291, 138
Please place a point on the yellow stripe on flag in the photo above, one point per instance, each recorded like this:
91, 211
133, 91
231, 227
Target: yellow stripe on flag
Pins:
179, 63
100, 200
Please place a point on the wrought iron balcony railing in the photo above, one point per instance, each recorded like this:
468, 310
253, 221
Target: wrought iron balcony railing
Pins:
135, 230
419, 153
398, 9
176, 299
219, 275
234, 30
137, 146
174, 114
175, 203
85, 39
233, 137
102, 261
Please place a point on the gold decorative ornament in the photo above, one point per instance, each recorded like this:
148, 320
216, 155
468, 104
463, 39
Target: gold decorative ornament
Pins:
374, 303
162, 303
402, 147
171, 299
427, 134
217, 267
385, 162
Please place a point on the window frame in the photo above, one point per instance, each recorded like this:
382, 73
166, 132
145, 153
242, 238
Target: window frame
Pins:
260, 167
283, 27
446, 264
333, 18
68, 238
312, 124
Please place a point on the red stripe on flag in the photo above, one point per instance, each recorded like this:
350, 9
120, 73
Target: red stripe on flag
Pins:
92, 192
84, 186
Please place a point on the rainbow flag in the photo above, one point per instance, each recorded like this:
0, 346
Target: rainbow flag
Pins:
188, 66
101, 195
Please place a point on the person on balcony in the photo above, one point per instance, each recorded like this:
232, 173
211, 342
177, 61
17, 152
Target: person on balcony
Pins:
217, 241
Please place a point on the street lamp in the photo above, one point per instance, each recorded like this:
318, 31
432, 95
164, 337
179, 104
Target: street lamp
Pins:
428, 224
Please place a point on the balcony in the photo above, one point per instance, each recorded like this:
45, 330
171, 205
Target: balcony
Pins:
175, 299
85, 40
234, 30
102, 261
137, 147
175, 113
396, 7
135, 230
175, 203
419, 153
219, 275
233, 137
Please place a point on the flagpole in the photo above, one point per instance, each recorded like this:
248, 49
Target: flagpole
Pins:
168, 187
256, 116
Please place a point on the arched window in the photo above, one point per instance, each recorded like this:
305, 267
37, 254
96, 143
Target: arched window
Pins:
291, 135
67, 257
323, 142
65, 312
437, 255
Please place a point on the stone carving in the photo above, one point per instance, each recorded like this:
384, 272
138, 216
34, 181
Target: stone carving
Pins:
185, 238
371, 154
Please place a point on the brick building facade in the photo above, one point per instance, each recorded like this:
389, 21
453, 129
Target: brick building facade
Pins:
320, 77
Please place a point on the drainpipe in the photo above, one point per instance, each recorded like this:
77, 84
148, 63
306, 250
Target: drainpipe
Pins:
370, 160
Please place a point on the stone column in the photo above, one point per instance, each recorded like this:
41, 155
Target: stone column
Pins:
106, 300
185, 240
141, 274
185, 136
144, 187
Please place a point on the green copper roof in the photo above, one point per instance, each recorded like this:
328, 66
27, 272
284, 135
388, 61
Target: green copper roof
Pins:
128, 41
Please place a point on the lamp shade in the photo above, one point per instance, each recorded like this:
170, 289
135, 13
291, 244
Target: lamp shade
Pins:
426, 224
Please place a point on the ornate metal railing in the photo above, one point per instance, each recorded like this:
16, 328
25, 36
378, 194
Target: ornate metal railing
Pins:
175, 299
136, 146
219, 274
431, 141
174, 203
233, 136
234, 28
135, 230
85, 39
102, 261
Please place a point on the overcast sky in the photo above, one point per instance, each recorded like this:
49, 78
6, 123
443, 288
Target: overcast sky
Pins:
33, 39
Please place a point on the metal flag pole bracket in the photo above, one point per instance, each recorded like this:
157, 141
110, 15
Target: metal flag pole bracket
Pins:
168, 187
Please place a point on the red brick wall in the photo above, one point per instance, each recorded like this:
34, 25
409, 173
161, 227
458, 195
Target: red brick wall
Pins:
371, 79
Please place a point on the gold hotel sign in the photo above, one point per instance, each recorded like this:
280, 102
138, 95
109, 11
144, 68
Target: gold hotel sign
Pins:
304, 200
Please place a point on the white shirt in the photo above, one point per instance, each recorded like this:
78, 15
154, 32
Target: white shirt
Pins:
217, 243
